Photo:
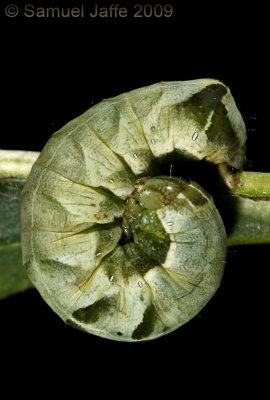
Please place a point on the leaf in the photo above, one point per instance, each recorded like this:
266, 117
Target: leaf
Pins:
14, 170
12, 275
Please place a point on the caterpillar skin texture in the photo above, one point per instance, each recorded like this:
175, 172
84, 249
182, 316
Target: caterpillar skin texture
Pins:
115, 249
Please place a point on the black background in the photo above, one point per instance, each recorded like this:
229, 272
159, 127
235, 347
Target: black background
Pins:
52, 71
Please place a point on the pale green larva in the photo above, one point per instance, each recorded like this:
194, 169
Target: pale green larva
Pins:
113, 247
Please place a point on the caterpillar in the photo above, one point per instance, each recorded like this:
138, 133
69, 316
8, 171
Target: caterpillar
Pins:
116, 248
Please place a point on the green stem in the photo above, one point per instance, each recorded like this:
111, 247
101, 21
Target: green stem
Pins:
246, 210
16, 164
253, 184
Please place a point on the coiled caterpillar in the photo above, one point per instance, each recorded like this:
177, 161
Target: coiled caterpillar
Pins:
115, 248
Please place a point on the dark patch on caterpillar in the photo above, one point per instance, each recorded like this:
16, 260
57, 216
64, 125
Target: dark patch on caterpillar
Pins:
90, 314
141, 261
207, 98
199, 107
155, 245
146, 327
